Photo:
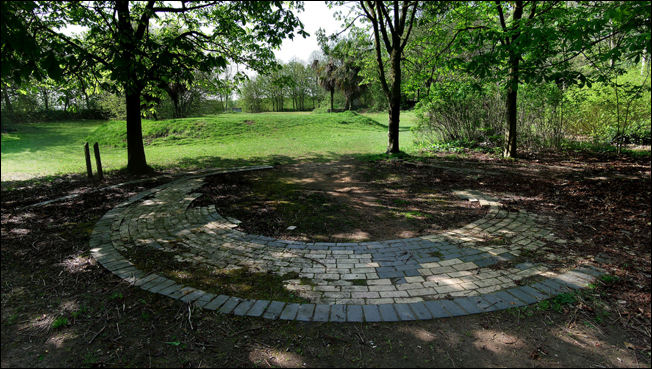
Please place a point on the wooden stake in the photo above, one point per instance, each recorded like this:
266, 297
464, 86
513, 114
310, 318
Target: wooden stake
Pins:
87, 153
98, 161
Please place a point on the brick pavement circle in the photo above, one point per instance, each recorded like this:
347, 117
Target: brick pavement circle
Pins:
427, 277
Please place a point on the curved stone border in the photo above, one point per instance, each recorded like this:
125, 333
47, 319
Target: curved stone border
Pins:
406, 295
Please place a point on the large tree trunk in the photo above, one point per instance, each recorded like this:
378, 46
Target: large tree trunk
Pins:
512, 89
136, 162
510, 131
394, 104
332, 92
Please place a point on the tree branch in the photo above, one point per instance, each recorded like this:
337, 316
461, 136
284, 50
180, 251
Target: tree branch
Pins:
407, 36
183, 8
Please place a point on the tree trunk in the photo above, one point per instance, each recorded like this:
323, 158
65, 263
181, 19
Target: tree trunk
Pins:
5, 96
512, 95
332, 92
394, 103
46, 99
136, 162
512, 88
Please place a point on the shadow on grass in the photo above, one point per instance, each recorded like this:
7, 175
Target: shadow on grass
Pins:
34, 137
74, 180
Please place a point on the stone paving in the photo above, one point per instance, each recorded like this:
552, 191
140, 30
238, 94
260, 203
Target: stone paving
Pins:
443, 275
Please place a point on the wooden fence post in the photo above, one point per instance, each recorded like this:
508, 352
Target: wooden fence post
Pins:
87, 153
98, 161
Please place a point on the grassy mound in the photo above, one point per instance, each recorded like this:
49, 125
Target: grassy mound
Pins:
228, 127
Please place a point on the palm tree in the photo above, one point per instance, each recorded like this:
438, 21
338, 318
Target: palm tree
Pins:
326, 75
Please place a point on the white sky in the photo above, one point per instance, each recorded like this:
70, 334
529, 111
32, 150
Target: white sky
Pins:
315, 15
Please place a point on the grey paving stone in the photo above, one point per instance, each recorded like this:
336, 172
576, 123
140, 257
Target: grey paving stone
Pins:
204, 299
531, 291
305, 312
371, 313
322, 313
216, 302
485, 262
523, 266
510, 300
157, 284
243, 307
338, 313
590, 271
145, 279
561, 288
496, 302
404, 312
436, 308
229, 305
411, 273
354, 313
192, 296
171, 290
574, 279
387, 313
258, 308
452, 308
290, 312
550, 288
274, 310
421, 311
472, 305
519, 294
390, 274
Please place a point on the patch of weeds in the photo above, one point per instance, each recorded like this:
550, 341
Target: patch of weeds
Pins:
145, 316
12, 319
359, 282
435, 254
89, 359
609, 279
77, 229
306, 282
175, 342
400, 202
414, 215
116, 296
527, 253
494, 241
501, 265
529, 280
60, 322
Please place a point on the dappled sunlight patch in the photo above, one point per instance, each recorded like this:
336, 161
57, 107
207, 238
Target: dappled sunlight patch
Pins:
495, 341
357, 235
78, 264
41, 322
273, 357
69, 306
20, 231
58, 340
419, 333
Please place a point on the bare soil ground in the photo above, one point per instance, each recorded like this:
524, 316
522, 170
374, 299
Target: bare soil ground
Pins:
59, 308
344, 201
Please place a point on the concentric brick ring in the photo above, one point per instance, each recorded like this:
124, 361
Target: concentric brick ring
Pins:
425, 277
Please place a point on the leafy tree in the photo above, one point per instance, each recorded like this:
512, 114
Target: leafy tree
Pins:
326, 75
392, 24
528, 41
121, 40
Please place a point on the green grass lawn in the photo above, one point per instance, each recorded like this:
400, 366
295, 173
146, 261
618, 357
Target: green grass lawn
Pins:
43, 149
